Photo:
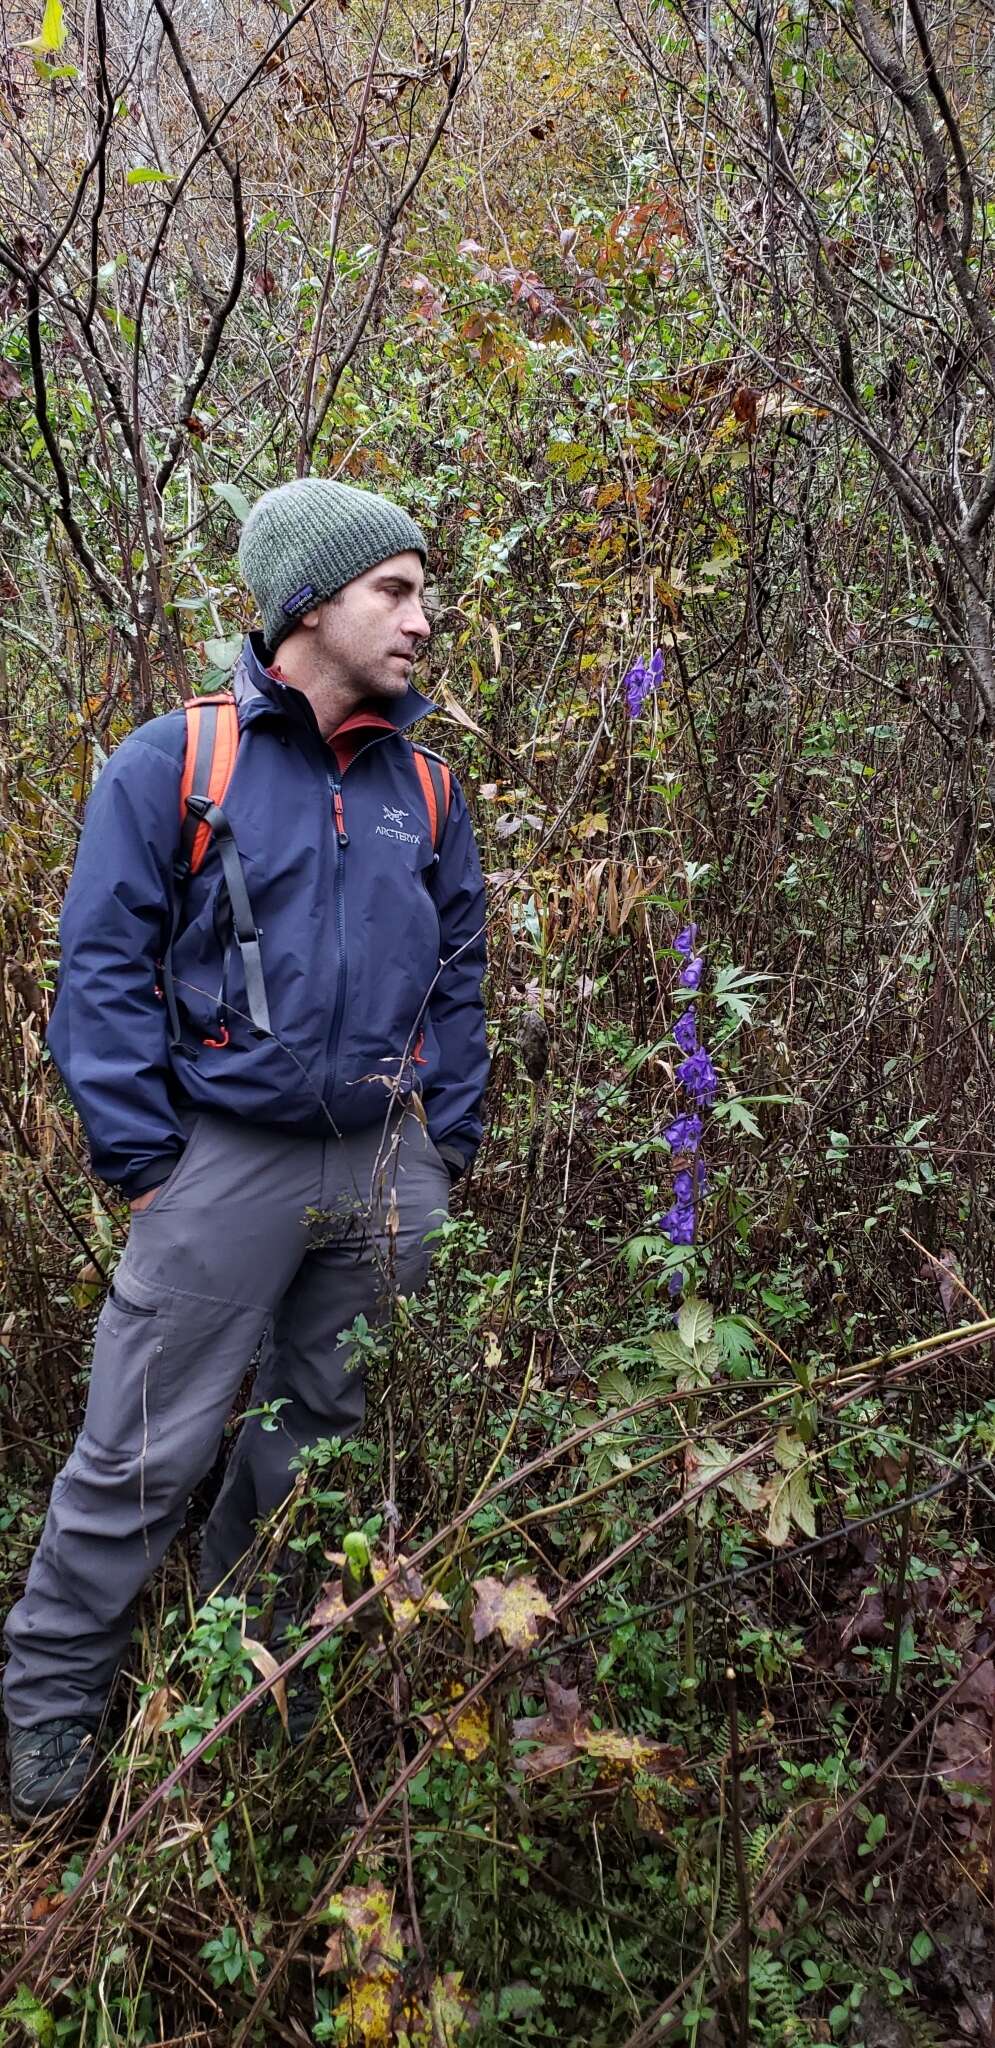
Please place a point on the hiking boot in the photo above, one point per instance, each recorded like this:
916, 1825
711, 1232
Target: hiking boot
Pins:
49, 1766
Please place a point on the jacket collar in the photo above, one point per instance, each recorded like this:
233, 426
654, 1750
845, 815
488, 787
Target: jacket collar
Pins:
257, 693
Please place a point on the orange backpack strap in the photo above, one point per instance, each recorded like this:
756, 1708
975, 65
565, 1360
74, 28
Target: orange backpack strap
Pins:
212, 744
212, 748
437, 790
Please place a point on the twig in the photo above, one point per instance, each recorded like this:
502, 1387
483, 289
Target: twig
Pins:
742, 1878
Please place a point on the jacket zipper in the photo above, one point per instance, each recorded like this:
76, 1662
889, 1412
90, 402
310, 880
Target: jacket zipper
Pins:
341, 842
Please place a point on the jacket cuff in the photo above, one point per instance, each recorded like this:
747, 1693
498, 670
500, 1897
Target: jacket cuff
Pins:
455, 1160
150, 1176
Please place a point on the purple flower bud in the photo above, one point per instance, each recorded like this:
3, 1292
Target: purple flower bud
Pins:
691, 977
684, 1134
684, 942
686, 1032
675, 1285
698, 1076
683, 1188
658, 666
678, 1224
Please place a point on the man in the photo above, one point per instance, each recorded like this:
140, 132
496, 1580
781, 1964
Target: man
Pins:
245, 1071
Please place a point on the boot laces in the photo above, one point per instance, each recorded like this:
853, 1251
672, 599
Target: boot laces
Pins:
54, 1751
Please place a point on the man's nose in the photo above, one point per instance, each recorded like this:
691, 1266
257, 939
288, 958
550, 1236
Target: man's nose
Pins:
416, 622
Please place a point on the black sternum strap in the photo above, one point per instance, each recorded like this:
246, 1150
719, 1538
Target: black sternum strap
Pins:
246, 936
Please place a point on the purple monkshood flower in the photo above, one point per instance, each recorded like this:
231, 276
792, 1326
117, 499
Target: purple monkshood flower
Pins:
691, 977
698, 1076
684, 1134
641, 680
638, 684
678, 1224
683, 1189
675, 1285
684, 942
686, 1032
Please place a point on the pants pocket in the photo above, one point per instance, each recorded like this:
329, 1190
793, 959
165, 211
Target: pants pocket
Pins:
127, 1362
128, 1308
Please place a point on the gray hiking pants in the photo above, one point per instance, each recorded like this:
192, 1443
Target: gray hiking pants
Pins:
257, 1235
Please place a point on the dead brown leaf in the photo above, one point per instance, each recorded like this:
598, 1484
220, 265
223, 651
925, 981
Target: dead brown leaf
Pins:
267, 1667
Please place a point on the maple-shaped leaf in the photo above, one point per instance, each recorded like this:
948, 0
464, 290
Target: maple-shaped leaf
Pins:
442, 2020
510, 1608
366, 1934
555, 1735
469, 1730
406, 1596
563, 1734
366, 2013
619, 1754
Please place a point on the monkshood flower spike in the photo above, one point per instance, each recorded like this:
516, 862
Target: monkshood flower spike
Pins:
696, 1074
640, 681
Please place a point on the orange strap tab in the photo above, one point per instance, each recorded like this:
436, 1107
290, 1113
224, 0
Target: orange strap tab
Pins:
436, 785
212, 745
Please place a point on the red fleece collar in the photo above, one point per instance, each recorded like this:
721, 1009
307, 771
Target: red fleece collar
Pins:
357, 722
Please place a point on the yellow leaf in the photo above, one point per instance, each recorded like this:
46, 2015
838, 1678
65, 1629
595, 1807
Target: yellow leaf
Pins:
366, 1934
366, 2012
52, 33
444, 2022
469, 1732
513, 1609
406, 1596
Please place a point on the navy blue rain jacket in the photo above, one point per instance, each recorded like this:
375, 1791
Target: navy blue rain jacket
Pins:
351, 937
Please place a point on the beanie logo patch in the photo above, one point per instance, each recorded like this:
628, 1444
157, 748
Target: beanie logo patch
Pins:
301, 596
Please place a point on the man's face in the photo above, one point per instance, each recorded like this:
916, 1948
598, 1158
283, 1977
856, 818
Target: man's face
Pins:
368, 638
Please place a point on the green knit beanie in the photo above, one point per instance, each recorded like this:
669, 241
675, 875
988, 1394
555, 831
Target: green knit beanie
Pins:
304, 540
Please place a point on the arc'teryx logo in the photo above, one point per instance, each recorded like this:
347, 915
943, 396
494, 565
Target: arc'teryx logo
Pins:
391, 830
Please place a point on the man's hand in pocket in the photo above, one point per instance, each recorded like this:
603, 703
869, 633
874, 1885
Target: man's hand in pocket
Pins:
142, 1201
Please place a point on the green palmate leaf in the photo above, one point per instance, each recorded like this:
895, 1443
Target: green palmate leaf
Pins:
669, 1351
713, 1460
614, 1386
733, 990
143, 174
741, 1119
34, 2018
645, 1246
790, 1498
695, 1322
232, 496
788, 1449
